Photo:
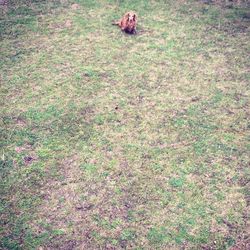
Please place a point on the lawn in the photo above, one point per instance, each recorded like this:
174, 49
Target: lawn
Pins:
116, 141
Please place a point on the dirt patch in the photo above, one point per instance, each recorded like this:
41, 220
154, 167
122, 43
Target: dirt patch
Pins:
242, 244
29, 159
87, 113
69, 205
238, 27
62, 206
58, 26
20, 122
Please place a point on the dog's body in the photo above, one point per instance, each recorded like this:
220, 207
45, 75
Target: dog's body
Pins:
128, 22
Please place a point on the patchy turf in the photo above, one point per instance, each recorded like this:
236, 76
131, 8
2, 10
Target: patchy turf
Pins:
112, 141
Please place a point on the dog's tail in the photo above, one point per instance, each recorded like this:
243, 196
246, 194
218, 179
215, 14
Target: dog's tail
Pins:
116, 23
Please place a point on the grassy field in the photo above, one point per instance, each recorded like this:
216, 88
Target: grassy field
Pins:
115, 141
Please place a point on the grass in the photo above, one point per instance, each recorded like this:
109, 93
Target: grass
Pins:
112, 141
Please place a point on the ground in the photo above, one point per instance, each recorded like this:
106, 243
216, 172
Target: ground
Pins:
115, 141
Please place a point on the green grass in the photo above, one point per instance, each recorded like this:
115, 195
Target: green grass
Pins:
112, 141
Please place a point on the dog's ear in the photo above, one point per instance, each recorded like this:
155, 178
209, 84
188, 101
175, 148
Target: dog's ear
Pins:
126, 16
134, 17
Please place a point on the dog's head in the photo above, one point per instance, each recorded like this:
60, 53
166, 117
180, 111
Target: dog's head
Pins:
131, 17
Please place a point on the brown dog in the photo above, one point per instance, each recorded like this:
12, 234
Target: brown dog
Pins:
128, 22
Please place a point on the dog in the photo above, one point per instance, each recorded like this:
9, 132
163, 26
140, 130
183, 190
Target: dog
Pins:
128, 22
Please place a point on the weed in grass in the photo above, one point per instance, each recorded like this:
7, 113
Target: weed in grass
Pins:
89, 168
176, 182
157, 236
